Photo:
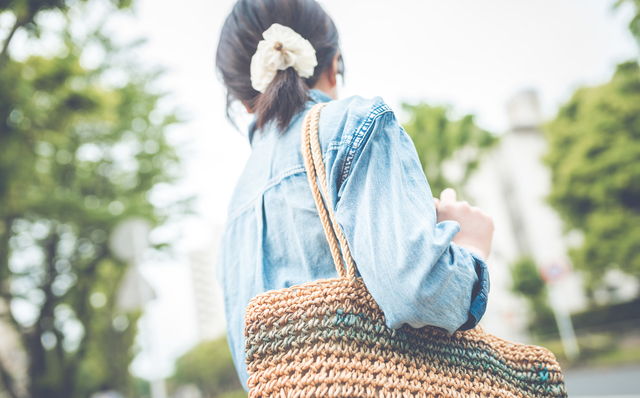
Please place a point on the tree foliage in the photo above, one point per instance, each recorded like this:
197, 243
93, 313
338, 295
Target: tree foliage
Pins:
526, 279
439, 139
634, 24
528, 284
594, 156
77, 156
25, 11
209, 366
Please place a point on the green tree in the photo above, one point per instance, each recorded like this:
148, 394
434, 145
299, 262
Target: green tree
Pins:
209, 366
79, 152
594, 153
24, 13
634, 24
526, 282
438, 138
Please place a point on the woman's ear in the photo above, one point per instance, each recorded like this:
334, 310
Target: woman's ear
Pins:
327, 82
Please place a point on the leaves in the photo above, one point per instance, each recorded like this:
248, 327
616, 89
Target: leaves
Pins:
209, 366
77, 156
439, 139
527, 282
594, 155
526, 279
634, 24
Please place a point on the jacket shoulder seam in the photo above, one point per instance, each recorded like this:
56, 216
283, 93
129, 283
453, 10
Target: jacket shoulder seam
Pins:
354, 141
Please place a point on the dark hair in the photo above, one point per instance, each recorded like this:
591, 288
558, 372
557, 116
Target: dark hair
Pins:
287, 93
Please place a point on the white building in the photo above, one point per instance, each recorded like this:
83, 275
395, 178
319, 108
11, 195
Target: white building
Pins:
207, 291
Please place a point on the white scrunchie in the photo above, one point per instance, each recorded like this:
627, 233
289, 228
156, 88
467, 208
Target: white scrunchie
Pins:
281, 48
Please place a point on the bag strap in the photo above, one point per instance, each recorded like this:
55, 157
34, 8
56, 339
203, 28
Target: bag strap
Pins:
314, 165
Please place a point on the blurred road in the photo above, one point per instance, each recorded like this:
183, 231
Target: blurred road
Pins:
618, 382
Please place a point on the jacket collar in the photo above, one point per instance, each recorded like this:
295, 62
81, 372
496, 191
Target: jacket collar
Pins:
318, 96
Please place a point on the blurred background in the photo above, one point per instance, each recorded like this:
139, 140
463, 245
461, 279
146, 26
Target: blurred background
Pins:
117, 164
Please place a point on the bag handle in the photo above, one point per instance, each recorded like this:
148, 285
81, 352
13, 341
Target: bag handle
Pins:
314, 165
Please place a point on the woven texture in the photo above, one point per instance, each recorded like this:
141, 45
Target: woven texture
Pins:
328, 338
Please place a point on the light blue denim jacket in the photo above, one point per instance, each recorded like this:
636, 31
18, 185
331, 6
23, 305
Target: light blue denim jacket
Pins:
383, 203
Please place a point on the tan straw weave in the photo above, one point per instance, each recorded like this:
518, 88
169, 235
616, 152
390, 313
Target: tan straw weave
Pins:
328, 338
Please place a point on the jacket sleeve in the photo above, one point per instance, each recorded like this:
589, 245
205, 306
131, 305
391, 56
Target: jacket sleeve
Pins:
407, 260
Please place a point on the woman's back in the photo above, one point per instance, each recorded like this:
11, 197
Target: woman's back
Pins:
278, 58
274, 238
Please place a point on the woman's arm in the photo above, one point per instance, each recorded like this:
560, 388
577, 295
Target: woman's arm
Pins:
409, 262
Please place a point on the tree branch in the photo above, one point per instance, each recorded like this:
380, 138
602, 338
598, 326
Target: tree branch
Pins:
4, 253
83, 314
20, 22
38, 364
5, 46
5, 293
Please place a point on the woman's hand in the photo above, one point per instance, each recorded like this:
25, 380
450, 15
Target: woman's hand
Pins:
476, 226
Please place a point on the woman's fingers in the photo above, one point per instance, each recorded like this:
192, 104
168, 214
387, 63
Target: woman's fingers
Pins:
448, 196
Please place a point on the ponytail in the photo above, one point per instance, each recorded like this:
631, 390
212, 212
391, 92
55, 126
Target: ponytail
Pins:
285, 96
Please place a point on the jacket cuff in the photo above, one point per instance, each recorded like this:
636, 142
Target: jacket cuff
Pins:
479, 294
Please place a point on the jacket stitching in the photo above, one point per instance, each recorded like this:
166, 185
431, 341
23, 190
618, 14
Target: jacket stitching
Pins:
358, 138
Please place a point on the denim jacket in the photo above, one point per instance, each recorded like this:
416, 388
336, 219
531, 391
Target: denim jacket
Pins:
274, 238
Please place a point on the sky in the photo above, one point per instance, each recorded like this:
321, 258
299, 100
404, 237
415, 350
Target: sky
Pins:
470, 55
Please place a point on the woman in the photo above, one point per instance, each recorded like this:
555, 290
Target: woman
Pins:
279, 58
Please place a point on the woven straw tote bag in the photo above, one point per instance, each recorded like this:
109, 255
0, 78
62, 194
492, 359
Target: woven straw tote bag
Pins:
328, 338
